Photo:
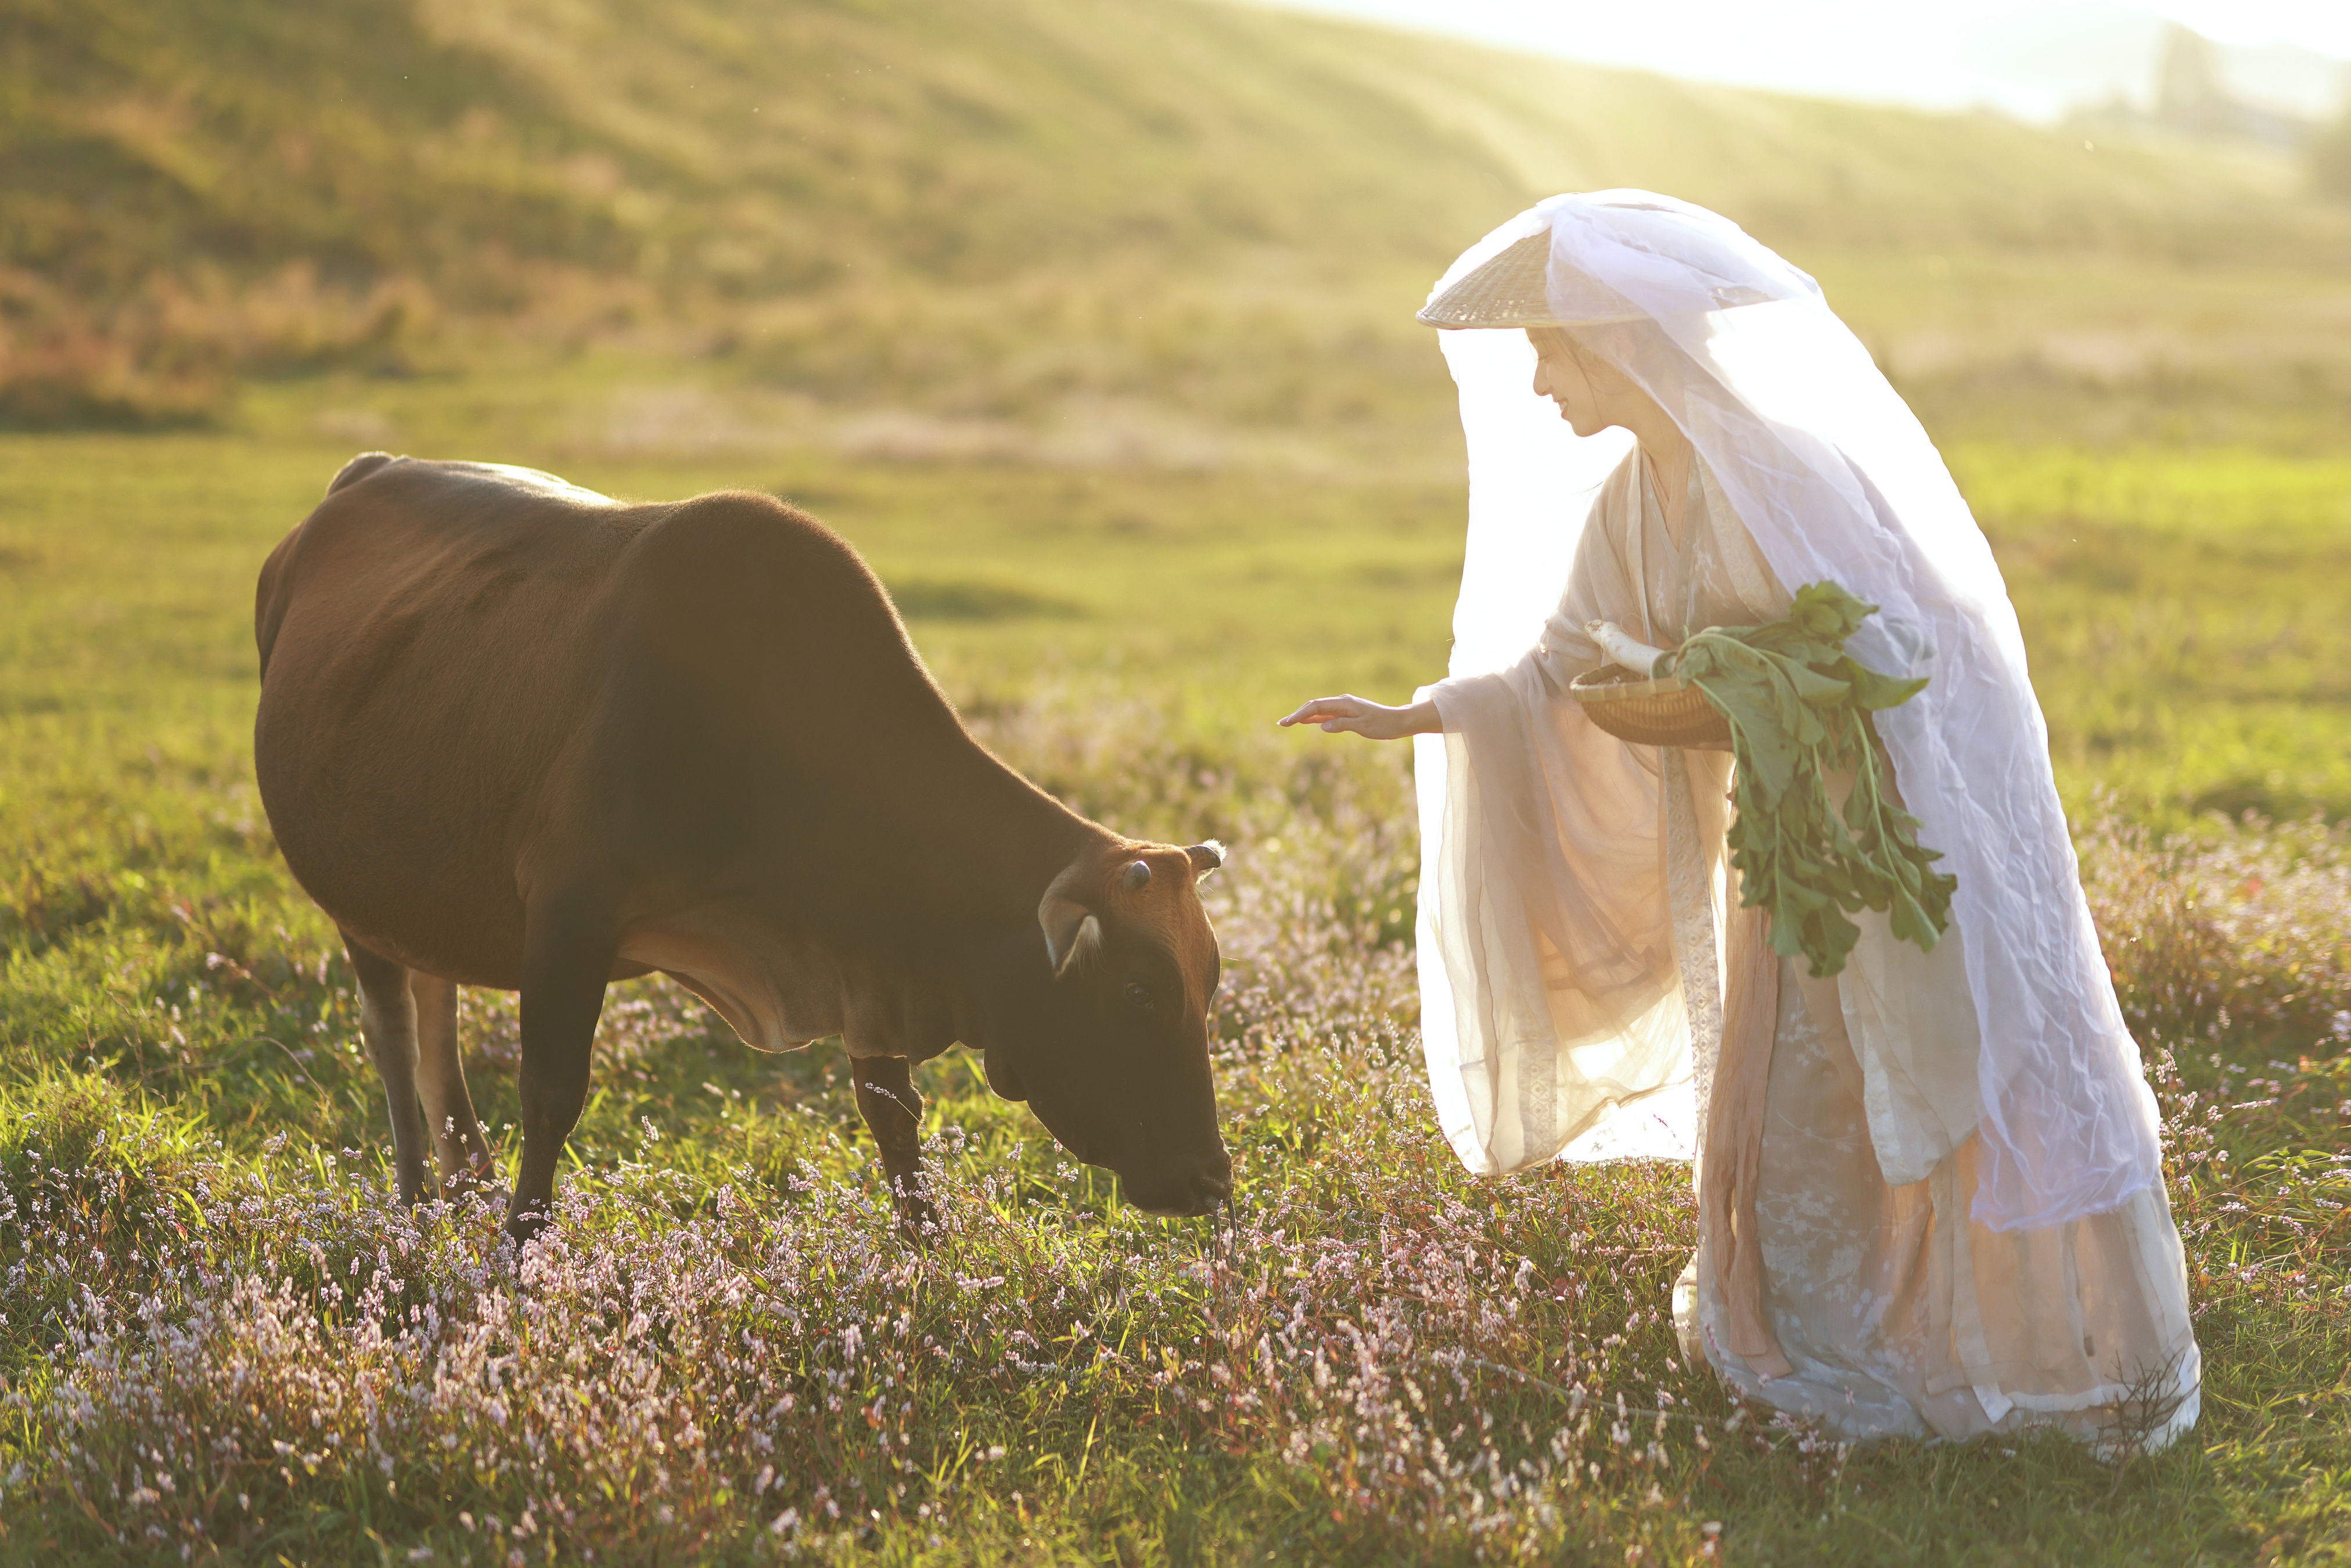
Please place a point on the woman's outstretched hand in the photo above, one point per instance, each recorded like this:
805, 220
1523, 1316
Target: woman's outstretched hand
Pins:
1373, 721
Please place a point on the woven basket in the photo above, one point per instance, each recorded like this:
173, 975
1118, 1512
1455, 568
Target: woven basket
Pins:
1647, 712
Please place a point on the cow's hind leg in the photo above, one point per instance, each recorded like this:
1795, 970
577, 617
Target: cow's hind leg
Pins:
458, 1146
568, 951
388, 1024
885, 1095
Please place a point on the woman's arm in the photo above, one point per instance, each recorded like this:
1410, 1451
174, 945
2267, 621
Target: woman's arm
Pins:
1573, 640
1637, 657
1373, 721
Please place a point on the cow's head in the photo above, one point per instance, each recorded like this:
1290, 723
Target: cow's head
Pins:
1120, 1071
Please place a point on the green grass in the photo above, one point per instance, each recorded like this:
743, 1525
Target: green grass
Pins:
2189, 613
2189, 618
177, 1046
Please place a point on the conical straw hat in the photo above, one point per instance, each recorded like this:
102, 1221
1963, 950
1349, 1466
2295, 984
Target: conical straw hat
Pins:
1511, 288
1508, 290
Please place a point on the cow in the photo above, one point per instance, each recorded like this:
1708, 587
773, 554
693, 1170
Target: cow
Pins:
515, 734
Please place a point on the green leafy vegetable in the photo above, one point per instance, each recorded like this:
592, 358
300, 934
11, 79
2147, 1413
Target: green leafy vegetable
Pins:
1799, 706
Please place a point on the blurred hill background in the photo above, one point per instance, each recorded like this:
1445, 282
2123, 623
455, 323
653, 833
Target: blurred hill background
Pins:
1168, 231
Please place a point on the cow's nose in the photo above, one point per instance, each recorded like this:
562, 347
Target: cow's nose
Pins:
1198, 1191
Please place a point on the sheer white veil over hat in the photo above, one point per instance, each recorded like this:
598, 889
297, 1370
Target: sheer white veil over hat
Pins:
1835, 478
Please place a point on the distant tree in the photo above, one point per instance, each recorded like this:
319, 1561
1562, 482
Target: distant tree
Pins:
2327, 154
2192, 96
2188, 94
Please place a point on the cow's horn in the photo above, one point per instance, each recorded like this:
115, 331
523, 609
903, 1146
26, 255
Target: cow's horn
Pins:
1138, 875
1206, 856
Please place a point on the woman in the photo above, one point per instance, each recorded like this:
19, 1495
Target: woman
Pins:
1930, 1195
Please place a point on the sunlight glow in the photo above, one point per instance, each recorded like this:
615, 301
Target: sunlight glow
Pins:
2322, 26
2037, 59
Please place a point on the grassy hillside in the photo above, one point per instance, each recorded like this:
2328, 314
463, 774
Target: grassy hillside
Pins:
998, 208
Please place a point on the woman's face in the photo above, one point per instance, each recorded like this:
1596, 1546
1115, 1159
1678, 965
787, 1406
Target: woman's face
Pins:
1581, 387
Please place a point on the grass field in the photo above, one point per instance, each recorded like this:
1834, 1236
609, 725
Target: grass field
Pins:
217, 1335
1088, 321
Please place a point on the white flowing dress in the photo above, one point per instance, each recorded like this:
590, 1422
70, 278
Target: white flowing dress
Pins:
1596, 963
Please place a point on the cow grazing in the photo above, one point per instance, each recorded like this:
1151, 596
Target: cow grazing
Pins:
515, 734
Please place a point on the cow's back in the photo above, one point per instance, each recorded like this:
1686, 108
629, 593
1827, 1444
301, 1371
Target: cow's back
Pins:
478, 681
430, 639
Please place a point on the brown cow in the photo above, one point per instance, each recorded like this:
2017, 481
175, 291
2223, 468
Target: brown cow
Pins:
515, 734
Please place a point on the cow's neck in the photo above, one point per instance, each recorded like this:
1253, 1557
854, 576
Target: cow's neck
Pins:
926, 939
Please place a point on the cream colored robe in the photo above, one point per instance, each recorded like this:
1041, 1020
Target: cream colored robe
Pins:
1583, 916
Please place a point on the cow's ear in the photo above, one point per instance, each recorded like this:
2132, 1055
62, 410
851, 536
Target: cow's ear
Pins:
1072, 934
1206, 856
1083, 944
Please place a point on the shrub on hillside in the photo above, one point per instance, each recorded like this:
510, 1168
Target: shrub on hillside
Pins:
65, 365
170, 353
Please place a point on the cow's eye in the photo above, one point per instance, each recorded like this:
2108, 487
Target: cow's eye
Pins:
1140, 995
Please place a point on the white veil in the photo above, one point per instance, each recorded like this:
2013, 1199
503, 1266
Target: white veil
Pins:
1831, 472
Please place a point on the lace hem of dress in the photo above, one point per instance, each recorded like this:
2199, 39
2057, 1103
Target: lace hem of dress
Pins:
1695, 948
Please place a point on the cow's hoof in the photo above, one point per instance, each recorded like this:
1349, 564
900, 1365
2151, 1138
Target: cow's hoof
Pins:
528, 1227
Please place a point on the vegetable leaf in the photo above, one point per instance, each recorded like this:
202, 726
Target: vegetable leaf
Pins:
1798, 705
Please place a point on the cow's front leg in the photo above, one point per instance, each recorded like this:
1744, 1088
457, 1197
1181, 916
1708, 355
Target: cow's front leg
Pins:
885, 1095
567, 949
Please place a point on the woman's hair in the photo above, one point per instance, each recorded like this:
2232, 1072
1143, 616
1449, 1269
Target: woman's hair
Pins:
1548, 339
